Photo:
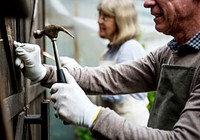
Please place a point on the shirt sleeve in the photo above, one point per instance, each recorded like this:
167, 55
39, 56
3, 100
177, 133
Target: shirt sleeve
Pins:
109, 125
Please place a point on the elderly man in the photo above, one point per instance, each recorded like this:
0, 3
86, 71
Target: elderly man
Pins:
172, 71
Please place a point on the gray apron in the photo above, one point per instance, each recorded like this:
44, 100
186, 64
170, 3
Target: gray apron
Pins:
172, 94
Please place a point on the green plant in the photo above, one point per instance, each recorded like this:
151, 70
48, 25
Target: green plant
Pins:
151, 97
83, 133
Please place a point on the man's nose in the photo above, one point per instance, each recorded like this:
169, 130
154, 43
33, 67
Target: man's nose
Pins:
149, 3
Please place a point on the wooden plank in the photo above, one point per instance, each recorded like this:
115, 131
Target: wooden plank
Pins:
20, 126
18, 100
14, 104
8, 46
6, 132
34, 91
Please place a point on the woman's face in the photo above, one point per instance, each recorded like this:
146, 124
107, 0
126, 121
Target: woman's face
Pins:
107, 26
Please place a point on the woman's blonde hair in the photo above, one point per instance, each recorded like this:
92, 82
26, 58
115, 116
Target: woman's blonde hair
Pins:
125, 15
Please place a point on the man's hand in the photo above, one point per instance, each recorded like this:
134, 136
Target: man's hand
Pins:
29, 61
71, 103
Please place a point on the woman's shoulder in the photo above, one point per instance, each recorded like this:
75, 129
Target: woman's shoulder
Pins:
132, 42
132, 46
130, 50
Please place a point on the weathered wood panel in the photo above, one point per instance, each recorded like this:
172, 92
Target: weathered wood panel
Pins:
19, 97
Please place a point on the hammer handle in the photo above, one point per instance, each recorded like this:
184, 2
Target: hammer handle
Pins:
61, 76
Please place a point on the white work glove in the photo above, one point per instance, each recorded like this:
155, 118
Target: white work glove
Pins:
71, 103
69, 62
29, 61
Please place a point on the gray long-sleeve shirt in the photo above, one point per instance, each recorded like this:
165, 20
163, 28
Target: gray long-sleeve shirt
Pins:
133, 77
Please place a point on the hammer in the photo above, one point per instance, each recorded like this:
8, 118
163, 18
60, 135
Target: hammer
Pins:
52, 32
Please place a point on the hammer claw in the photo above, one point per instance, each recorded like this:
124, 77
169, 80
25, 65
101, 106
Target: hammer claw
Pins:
51, 31
66, 31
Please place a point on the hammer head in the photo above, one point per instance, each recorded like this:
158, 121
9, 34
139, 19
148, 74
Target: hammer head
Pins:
51, 31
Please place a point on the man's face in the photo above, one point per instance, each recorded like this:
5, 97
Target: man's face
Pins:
171, 16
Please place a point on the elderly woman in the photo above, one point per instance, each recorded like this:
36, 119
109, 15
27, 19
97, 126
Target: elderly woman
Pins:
118, 23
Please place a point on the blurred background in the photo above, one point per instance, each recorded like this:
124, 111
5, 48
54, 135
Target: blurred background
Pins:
80, 18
